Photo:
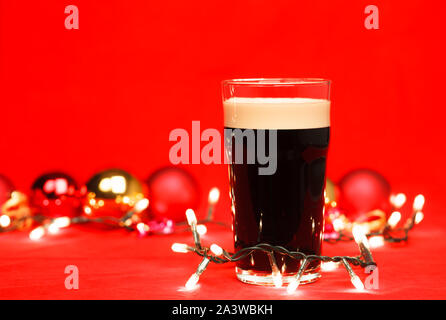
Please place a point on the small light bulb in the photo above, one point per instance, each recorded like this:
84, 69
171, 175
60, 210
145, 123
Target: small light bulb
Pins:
394, 218
125, 199
62, 222
338, 225
214, 195
87, 210
329, 266
398, 200
37, 233
5, 221
15, 195
358, 233
53, 229
201, 229
191, 283
418, 202
357, 282
216, 249
292, 286
142, 205
142, 227
179, 247
376, 241
190, 215
419, 216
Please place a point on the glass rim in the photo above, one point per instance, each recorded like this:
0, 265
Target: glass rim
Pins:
271, 82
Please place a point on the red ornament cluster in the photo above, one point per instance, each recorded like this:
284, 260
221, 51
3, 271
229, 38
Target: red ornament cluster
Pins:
111, 197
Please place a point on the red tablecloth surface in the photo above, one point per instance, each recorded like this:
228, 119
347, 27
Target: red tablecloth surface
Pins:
117, 264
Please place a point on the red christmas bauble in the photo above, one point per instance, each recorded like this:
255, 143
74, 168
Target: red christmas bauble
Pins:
6, 187
362, 191
172, 191
56, 194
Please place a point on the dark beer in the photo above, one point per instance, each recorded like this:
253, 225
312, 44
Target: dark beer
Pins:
284, 208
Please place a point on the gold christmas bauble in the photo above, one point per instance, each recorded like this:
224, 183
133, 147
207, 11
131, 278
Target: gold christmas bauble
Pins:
112, 193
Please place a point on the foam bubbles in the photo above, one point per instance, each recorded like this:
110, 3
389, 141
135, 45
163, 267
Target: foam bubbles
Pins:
276, 113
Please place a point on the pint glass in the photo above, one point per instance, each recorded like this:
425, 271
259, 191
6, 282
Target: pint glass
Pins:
276, 141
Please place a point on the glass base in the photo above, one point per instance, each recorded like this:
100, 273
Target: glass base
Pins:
265, 278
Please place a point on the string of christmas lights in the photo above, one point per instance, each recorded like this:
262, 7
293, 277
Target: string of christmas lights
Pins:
218, 255
53, 225
47, 225
389, 232
360, 232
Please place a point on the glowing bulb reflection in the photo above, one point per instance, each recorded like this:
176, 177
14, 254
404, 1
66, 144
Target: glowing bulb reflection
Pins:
329, 266
277, 279
292, 286
192, 282
115, 184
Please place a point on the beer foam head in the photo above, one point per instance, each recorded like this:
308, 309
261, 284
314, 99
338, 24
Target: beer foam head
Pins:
276, 113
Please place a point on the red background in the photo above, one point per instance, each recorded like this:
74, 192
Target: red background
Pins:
108, 94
